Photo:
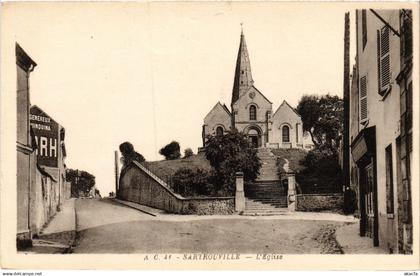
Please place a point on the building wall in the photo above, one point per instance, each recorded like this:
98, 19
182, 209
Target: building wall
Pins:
44, 201
263, 108
285, 116
24, 148
137, 184
383, 112
218, 116
22, 106
354, 130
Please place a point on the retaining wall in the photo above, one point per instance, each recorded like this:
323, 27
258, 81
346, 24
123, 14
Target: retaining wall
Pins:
319, 202
138, 184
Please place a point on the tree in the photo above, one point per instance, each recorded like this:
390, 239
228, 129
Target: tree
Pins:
188, 152
188, 182
129, 154
171, 151
322, 173
81, 181
322, 117
231, 153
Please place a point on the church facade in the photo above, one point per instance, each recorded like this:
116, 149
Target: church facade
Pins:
251, 113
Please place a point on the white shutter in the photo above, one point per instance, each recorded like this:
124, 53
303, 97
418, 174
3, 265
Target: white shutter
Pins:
384, 61
363, 111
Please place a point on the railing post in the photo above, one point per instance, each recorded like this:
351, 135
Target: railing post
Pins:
239, 195
291, 193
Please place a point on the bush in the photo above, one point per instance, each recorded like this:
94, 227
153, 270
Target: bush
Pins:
188, 153
322, 174
171, 151
129, 154
228, 154
187, 182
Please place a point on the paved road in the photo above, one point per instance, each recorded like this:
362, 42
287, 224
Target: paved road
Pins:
108, 227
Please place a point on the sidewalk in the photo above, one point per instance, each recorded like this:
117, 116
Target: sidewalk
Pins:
58, 236
351, 243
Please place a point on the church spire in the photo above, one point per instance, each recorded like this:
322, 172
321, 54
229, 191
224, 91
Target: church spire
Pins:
243, 77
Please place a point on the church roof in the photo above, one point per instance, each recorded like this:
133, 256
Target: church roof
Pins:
222, 106
243, 77
288, 105
261, 94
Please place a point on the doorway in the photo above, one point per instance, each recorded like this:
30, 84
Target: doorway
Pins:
254, 137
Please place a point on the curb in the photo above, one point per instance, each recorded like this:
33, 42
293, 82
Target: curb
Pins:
134, 206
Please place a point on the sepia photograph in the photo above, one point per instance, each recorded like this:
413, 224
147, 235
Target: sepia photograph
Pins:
209, 132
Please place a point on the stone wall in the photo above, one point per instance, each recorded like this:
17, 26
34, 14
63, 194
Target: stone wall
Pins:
137, 184
319, 202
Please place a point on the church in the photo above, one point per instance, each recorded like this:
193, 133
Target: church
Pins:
252, 113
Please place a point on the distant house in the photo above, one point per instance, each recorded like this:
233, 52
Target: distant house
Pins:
381, 127
251, 113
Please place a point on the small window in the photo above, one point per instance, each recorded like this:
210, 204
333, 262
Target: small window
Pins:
219, 131
242, 72
364, 28
252, 112
389, 181
363, 113
285, 134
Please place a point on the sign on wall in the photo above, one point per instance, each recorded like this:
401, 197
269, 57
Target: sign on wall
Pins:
46, 136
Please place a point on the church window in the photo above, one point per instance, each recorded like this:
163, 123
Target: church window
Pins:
252, 112
285, 134
242, 72
219, 131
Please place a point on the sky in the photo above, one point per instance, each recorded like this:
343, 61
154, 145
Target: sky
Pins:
149, 73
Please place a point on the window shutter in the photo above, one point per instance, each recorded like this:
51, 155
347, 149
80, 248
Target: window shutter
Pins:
363, 99
384, 61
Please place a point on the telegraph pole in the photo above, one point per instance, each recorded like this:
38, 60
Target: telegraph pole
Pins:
116, 172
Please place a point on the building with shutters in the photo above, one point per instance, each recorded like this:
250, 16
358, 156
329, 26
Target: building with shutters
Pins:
252, 113
380, 127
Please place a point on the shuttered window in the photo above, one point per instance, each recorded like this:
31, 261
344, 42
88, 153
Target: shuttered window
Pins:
384, 61
364, 28
363, 99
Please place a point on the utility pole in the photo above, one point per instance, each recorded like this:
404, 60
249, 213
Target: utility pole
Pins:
346, 99
116, 172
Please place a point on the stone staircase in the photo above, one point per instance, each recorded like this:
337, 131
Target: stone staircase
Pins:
268, 169
266, 196
257, 208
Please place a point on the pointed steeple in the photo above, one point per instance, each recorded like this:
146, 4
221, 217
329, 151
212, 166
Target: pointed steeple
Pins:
243, 77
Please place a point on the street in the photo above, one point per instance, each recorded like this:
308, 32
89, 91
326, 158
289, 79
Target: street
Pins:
105, 226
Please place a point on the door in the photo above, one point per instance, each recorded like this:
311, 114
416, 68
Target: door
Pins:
368, 182
253, 139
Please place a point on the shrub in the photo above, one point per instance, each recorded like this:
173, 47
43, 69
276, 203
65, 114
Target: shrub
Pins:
171, 151
188, 153
228, 154
188, 182
129, 154
322, 174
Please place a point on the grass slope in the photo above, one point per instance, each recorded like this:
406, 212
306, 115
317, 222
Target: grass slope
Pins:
295, 157
166, 168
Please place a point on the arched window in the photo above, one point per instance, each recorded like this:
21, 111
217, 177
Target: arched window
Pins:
285, 134
219, 131
252, 112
